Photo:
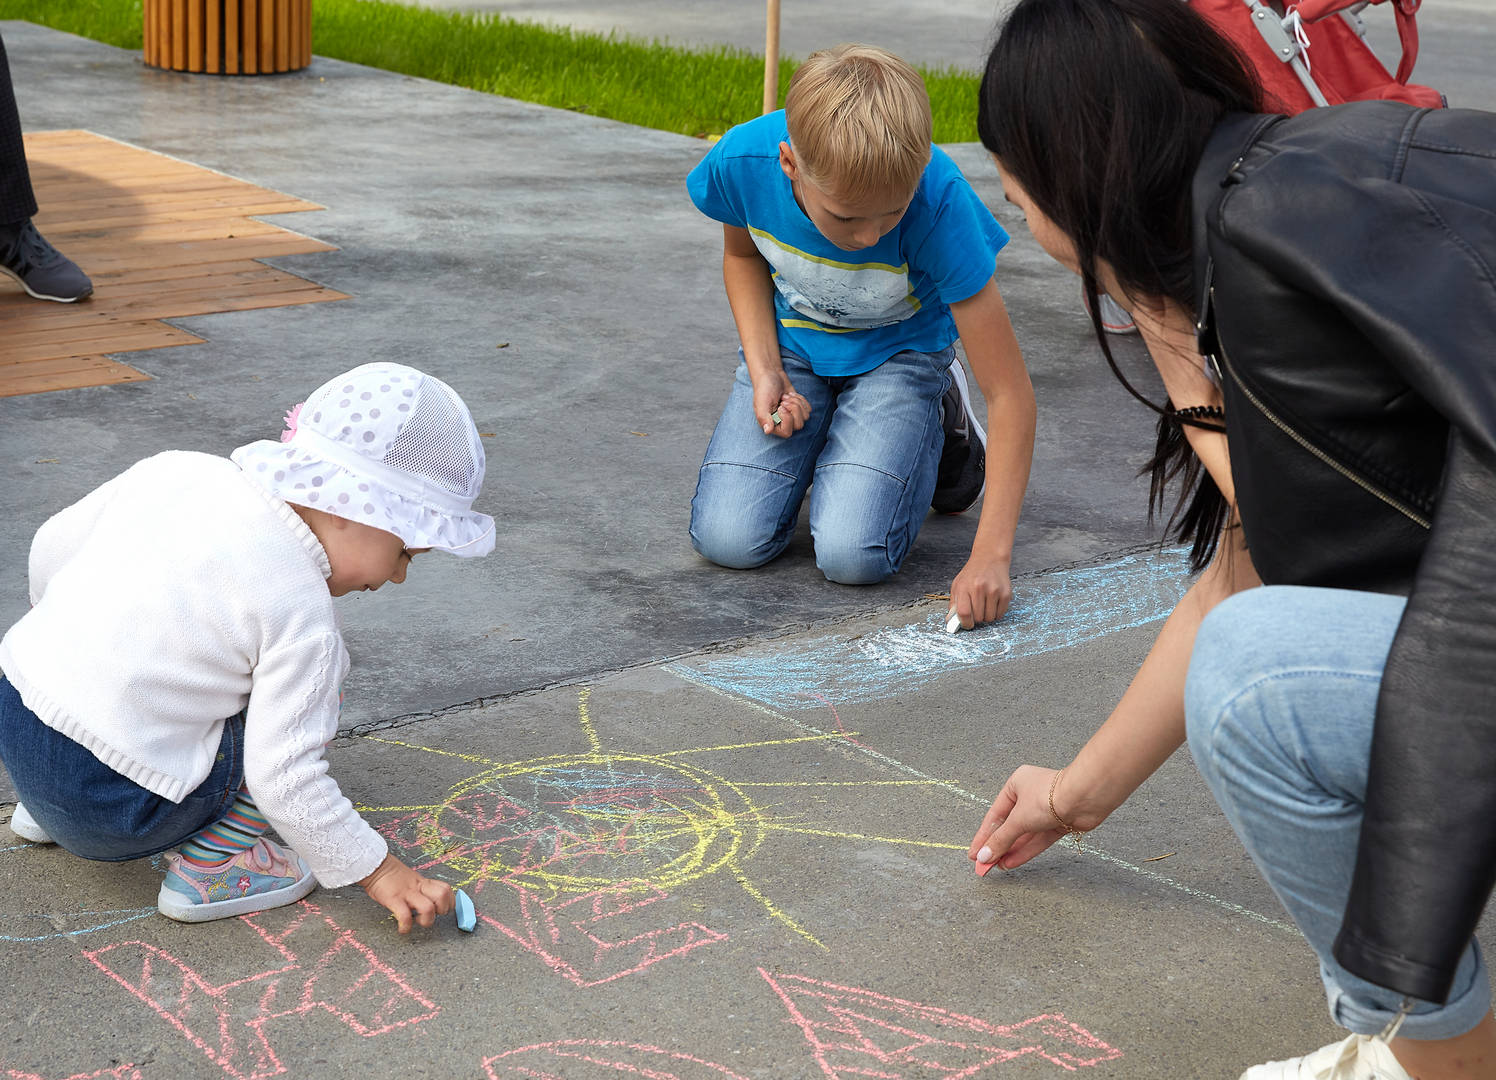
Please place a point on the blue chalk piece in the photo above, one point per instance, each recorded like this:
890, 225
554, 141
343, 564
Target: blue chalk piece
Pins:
467, 917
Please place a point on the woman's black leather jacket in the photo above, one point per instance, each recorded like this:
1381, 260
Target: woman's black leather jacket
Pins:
1345, 261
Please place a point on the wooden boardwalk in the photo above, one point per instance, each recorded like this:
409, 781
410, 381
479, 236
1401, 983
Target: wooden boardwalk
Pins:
161, 239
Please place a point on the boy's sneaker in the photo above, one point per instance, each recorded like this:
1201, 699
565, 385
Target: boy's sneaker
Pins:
42, 270
962, 475
1114, 317
26, 827
263, 876
1361, 1057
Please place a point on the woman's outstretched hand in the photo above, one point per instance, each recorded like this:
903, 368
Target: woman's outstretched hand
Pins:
1019, 824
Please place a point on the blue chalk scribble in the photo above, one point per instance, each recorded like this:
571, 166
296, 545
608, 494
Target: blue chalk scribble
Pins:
88, 922
1051, 611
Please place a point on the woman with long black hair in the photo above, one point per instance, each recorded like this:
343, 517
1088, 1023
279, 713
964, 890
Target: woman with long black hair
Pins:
1318, 294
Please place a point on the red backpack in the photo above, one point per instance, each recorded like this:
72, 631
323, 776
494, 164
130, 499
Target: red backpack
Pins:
1312, 56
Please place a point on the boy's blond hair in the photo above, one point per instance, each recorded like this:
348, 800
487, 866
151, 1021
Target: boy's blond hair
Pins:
859, 121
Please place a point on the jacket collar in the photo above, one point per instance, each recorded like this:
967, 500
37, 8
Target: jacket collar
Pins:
1218, 167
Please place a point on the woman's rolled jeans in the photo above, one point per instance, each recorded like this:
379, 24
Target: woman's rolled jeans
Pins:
1279, 705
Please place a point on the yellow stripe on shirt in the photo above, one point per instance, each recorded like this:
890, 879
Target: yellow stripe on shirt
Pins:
903, 269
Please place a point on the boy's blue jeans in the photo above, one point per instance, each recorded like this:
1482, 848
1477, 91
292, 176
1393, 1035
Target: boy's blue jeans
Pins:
93, 811
872, 447
1279, 704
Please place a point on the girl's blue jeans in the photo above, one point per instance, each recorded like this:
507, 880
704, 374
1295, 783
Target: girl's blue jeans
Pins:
1279, 704
872, 448
93, 811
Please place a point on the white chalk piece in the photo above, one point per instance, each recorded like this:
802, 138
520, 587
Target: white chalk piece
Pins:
467, 917
774, 416
952, 623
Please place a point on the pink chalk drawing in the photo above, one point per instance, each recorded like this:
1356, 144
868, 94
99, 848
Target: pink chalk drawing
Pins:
858, 1033
593, 938
581, 1059
119, 1072
323, 967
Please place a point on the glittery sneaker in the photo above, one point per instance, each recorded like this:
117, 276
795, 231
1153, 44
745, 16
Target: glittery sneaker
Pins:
1114, 317
42, 270
26, 827
1361, 1057
961, 476
263, 876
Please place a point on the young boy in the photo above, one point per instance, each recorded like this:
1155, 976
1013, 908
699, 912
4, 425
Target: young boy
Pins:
854, 255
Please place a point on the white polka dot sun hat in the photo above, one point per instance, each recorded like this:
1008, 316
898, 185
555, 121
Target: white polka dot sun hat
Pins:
383, 445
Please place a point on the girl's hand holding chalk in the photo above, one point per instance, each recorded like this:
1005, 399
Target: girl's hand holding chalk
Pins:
409, 896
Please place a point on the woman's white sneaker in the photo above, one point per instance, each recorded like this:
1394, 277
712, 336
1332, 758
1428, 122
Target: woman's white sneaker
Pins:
1360, 1057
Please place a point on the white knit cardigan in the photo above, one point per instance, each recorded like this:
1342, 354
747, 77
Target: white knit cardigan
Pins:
169, 599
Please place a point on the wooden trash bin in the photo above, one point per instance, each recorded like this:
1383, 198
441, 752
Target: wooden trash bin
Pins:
228, 37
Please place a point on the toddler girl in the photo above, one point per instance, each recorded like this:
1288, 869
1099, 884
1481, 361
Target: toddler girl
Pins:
178, 675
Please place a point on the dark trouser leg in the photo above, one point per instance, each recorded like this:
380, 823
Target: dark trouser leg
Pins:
17, 203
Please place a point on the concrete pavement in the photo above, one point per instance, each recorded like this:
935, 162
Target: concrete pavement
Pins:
714, 822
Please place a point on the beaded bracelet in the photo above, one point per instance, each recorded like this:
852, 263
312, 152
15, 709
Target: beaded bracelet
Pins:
1200, 412
1070, 830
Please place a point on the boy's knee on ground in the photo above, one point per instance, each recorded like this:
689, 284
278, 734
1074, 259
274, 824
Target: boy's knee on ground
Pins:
857, 521
732, 540
850, 559
737, 514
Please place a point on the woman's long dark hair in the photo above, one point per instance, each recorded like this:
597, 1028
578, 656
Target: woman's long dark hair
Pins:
1101, 109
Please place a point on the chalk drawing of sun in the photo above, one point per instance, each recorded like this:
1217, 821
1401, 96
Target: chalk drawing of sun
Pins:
572, 843
574, 824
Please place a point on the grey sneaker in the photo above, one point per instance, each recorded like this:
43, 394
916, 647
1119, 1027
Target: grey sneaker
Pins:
26, 827
962, 475
42, 270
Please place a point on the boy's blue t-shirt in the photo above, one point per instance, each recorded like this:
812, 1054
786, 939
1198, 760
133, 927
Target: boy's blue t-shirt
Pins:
845, 312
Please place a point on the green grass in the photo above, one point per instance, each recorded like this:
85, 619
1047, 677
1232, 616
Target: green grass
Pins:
690, 91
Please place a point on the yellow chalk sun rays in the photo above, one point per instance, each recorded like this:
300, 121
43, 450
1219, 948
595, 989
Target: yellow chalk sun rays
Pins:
618, 808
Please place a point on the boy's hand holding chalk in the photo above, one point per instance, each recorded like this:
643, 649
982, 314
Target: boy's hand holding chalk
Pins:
790, 413
980, 594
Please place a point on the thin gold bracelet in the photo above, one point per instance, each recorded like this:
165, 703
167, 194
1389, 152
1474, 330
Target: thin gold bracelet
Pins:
1070, 830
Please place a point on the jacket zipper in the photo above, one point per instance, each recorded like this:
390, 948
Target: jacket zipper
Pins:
1365, 485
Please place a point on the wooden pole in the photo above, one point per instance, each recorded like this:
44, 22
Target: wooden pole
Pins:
771, 58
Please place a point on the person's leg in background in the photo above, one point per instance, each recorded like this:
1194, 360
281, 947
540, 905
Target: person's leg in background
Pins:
876, 475
1280, 703
25, 254
750, 487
